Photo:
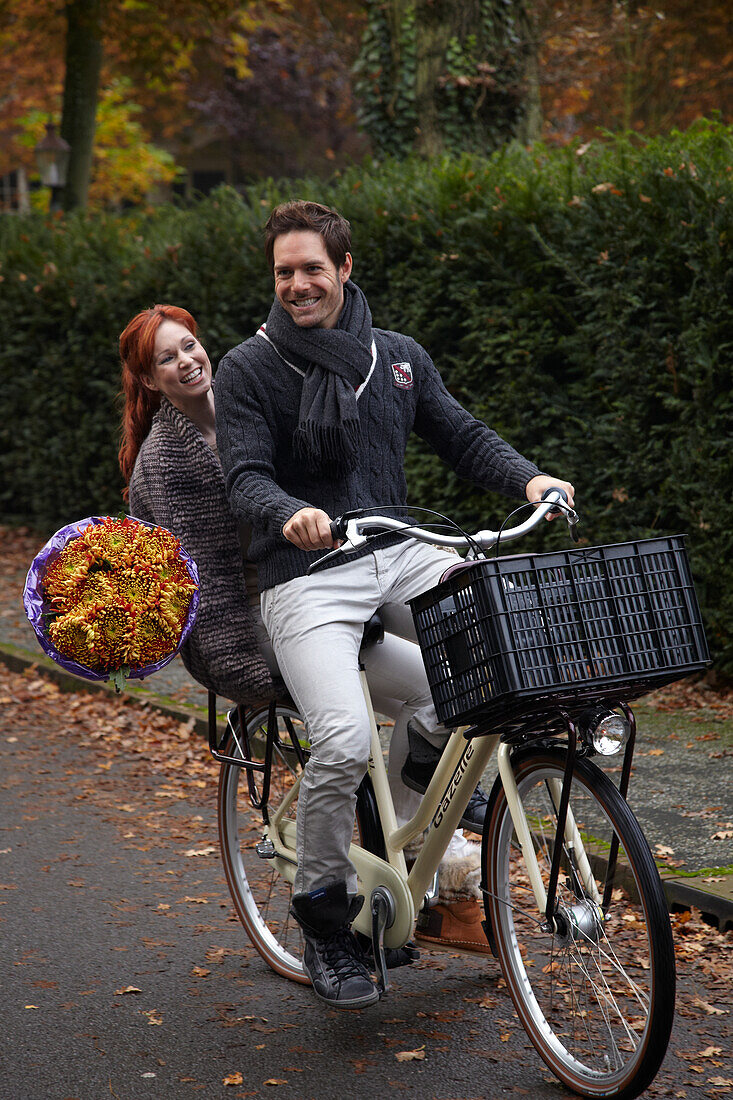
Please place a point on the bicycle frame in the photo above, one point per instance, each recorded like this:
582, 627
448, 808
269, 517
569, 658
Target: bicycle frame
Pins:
459, 770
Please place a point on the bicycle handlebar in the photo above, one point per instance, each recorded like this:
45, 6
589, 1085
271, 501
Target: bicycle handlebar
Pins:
354, 529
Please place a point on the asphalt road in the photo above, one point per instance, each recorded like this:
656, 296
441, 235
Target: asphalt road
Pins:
124, 974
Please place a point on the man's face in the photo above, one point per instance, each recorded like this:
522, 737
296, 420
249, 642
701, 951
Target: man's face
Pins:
308, 284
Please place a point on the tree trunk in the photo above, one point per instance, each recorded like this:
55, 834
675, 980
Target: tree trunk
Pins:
433, 29
81, 86
529, 125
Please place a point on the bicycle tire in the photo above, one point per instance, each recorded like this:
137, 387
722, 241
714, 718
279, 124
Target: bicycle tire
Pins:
597, 996
261, 894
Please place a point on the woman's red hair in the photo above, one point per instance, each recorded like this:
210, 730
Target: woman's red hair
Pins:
137, 345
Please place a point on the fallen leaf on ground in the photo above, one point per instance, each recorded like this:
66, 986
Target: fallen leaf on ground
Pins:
233, 1079
410, 1055
710, 1009
127, 989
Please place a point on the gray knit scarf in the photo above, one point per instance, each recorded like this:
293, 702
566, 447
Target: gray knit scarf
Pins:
336, 361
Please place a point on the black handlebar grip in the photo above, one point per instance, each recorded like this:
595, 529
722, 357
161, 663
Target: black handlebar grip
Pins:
555, 489
338, 528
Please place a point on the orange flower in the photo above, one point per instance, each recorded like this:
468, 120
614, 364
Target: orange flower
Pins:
175, 601
72, 638
65, 572
111, 627
153, 637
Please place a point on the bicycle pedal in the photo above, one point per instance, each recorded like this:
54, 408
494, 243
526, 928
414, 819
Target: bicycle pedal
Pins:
383, 915
265, 849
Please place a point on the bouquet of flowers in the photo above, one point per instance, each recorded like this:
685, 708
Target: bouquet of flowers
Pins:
112, 597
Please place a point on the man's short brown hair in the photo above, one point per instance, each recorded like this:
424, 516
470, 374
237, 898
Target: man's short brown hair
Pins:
332, 228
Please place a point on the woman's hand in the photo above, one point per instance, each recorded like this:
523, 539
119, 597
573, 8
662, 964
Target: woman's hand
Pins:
310, 529
540, 484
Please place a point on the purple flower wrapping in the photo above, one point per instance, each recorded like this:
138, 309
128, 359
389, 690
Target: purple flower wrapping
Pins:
36, 605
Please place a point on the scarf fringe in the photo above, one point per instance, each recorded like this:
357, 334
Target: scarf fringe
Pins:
328, 447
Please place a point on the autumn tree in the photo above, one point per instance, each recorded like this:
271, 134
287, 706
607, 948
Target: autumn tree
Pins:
292, 112
42, 67
622, 65
271, 78
85, 46
440, 76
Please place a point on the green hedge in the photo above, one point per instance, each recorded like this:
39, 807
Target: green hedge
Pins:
581, 301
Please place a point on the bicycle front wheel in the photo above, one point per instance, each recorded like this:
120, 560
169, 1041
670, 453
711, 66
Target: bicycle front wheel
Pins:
595, 994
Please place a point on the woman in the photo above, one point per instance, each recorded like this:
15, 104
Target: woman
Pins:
168, 456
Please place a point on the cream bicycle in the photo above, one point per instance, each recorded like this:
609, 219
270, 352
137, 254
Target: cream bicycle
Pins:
536, 657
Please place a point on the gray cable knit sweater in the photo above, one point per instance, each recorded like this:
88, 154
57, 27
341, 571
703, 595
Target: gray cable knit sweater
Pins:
178, 483
257, 403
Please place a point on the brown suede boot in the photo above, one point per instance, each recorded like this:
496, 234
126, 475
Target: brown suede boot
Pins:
454, 925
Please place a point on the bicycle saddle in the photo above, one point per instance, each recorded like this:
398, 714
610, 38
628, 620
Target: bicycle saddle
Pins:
373, 631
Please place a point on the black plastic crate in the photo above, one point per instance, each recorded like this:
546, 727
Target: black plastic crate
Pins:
512, 636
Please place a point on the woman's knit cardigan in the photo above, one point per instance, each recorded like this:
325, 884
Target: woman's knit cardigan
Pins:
178, 483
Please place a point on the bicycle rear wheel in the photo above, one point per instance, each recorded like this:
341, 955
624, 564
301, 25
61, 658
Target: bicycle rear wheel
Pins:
261, 894
260, 891
596, 996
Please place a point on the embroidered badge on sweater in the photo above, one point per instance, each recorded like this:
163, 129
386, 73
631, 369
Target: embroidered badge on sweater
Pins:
402, 375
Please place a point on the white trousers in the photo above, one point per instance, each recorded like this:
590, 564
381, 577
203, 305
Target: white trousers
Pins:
315, 625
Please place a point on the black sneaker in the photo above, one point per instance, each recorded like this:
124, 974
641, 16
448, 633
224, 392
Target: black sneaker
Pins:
332, 958
419, 768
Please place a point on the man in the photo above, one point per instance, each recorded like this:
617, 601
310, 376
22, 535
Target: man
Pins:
313, 417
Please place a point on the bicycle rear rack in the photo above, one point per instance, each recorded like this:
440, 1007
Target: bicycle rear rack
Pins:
240, 737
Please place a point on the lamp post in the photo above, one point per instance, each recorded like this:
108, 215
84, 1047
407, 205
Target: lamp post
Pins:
52, 158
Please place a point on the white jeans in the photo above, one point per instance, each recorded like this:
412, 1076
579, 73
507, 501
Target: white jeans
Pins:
315, 625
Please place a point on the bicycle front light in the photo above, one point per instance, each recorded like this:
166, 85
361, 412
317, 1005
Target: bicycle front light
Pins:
606, 731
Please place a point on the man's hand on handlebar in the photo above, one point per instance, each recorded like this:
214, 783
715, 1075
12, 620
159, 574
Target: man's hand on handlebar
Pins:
540, 484
310, 529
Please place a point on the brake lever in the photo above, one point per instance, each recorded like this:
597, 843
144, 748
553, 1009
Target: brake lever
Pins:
573, 520
570, 514
322, 561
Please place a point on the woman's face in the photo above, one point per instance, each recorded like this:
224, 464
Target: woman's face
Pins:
181, 368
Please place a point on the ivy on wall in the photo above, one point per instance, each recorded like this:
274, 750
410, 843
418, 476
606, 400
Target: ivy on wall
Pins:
438, 77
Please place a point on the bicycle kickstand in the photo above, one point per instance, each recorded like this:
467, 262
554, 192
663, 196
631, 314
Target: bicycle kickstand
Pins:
383, 915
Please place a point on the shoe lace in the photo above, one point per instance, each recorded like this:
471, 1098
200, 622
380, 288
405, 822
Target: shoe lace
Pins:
342, 954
